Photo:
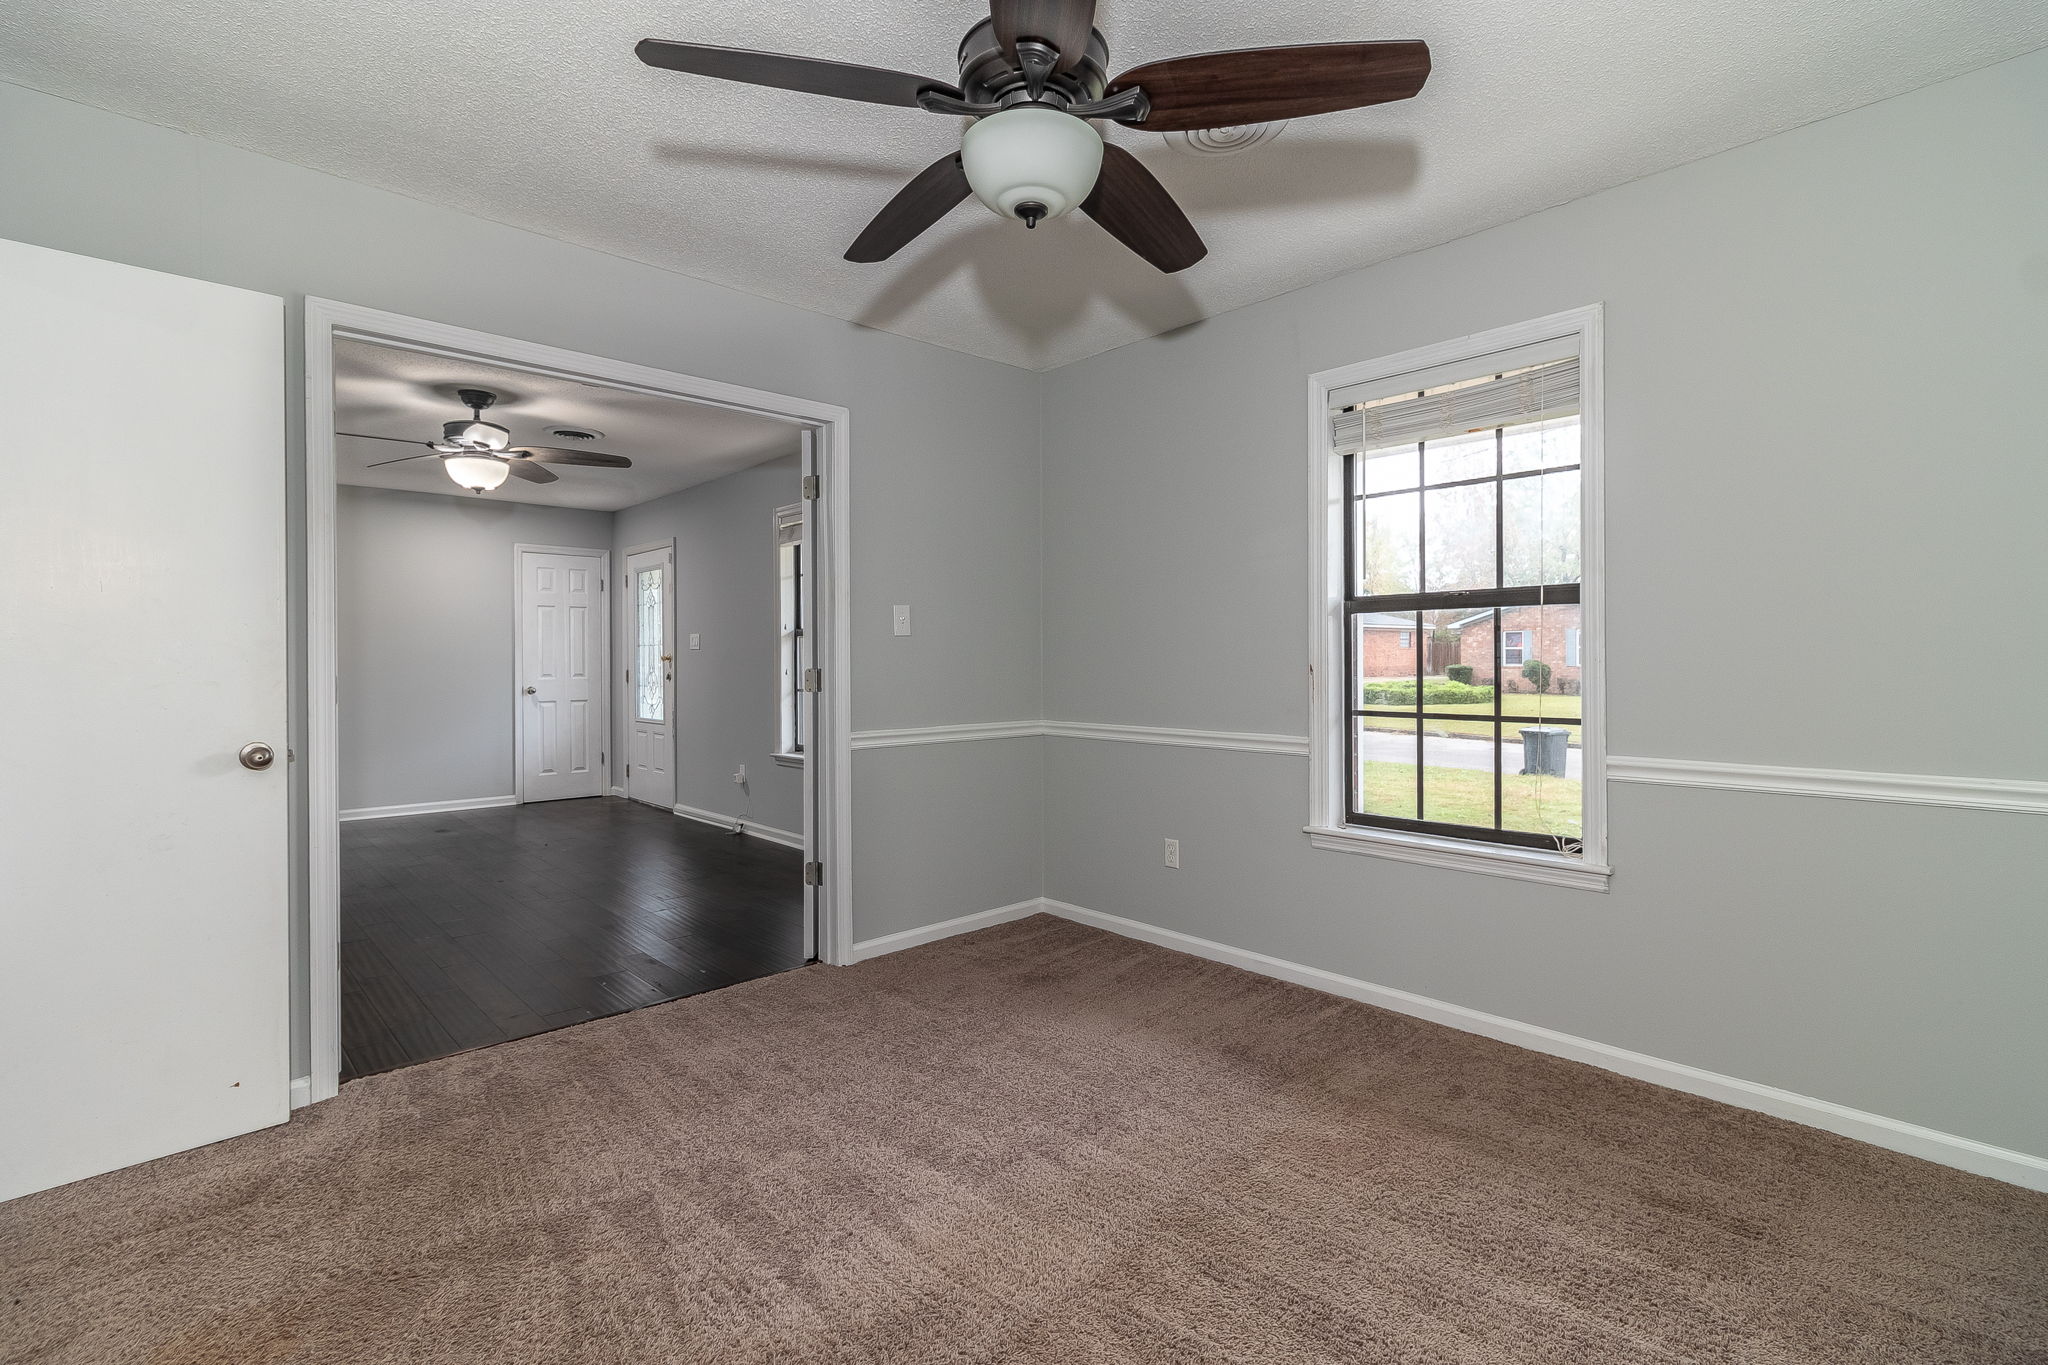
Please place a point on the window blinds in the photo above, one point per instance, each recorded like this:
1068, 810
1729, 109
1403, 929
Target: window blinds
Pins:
789, 524
1533, 395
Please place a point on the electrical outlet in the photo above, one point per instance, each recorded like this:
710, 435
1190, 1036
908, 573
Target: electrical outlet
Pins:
1173, 853
741, 776
696, 641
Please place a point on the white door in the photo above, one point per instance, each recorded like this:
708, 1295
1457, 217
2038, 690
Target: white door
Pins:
143, 892
561, 701
651, 676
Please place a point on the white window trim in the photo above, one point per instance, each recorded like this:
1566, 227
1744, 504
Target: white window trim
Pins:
1521, 646
1326, 828
788, 681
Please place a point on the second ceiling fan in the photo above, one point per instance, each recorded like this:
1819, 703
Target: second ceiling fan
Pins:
479, 455
1032, 75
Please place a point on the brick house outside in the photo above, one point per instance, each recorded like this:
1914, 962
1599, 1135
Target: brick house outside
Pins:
1550, 633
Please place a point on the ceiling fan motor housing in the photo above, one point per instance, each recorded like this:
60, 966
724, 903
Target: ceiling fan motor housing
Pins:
988, 76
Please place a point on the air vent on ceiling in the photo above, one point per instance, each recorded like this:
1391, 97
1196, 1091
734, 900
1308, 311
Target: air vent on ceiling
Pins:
1224, 141
575, 433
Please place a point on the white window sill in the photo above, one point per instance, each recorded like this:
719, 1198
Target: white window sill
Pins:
789, 760
1492, 860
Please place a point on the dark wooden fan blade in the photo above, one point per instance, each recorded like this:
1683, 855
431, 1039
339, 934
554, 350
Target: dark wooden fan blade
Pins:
1261, 84
531, 472
553, 455
810, 75
400, 460
930, 196
366, 436
1066, 24
1135, 208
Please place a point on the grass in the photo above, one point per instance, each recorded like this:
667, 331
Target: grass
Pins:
1528, 703
1464, 796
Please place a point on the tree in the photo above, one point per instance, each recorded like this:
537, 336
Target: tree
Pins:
1538, 673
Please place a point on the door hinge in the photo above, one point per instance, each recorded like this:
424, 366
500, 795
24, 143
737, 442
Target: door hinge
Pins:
814, 680
810, 487
814, 874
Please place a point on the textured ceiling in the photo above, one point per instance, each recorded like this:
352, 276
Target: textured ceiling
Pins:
534, 113
383, 391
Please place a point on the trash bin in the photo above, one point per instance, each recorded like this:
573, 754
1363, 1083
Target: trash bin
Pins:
1543, 750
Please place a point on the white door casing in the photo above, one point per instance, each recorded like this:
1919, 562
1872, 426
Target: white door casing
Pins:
560, 644
144, 632
650, 675
828, 432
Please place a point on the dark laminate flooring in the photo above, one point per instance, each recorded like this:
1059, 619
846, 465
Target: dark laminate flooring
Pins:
474, 927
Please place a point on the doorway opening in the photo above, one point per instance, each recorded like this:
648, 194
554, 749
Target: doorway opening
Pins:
570, 790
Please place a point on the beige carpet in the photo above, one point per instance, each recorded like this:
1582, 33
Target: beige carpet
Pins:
1036, 1143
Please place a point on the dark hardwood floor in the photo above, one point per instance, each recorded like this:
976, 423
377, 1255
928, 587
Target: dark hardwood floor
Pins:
475, 927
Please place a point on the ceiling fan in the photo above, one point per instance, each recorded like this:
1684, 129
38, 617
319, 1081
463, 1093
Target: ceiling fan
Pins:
1031, 76
479, 454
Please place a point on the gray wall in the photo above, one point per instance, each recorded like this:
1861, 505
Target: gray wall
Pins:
933, 431
1826, 474
426, 608
727, 594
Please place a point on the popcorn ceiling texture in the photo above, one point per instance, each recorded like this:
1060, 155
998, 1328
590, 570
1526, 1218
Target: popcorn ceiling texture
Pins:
537, 115
1034, 1143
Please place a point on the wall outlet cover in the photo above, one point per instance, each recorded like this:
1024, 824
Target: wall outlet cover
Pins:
1173, 853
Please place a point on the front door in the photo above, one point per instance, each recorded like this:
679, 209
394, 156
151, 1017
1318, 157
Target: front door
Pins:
650, 679
143, 821
561, 701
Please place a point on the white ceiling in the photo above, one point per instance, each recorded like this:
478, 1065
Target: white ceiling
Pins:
535, 113
383, 391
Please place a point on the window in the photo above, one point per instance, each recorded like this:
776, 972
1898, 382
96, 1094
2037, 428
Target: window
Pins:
1457, 481
790, 653
650, 693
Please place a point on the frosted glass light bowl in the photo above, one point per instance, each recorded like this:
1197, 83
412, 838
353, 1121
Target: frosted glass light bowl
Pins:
1031, 155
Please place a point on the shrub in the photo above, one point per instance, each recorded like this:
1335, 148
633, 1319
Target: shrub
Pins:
1401, 692
1459, 673
1538, 673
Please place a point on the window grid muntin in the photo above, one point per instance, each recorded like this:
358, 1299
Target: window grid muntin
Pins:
1358, 602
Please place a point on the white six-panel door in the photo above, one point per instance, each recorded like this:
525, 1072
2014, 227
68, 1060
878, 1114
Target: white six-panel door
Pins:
561, 701
650, 676
143, 882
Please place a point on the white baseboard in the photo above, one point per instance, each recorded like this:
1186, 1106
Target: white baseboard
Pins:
931, 933
618, 791
429, 807
301, 1092
786, 838
1947, 1149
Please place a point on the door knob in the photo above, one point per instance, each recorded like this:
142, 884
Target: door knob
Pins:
529, 691
257, 756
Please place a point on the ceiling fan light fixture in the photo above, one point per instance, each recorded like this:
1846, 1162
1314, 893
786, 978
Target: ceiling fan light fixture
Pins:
476, 435
1031, 162
478, 473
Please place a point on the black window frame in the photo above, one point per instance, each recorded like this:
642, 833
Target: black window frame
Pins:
1496, 598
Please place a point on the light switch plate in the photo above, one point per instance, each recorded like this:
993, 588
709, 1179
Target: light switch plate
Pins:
695, 642
902, 616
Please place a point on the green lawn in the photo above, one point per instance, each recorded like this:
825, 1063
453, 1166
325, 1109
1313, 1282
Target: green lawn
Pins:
1464, 796
1531, 706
